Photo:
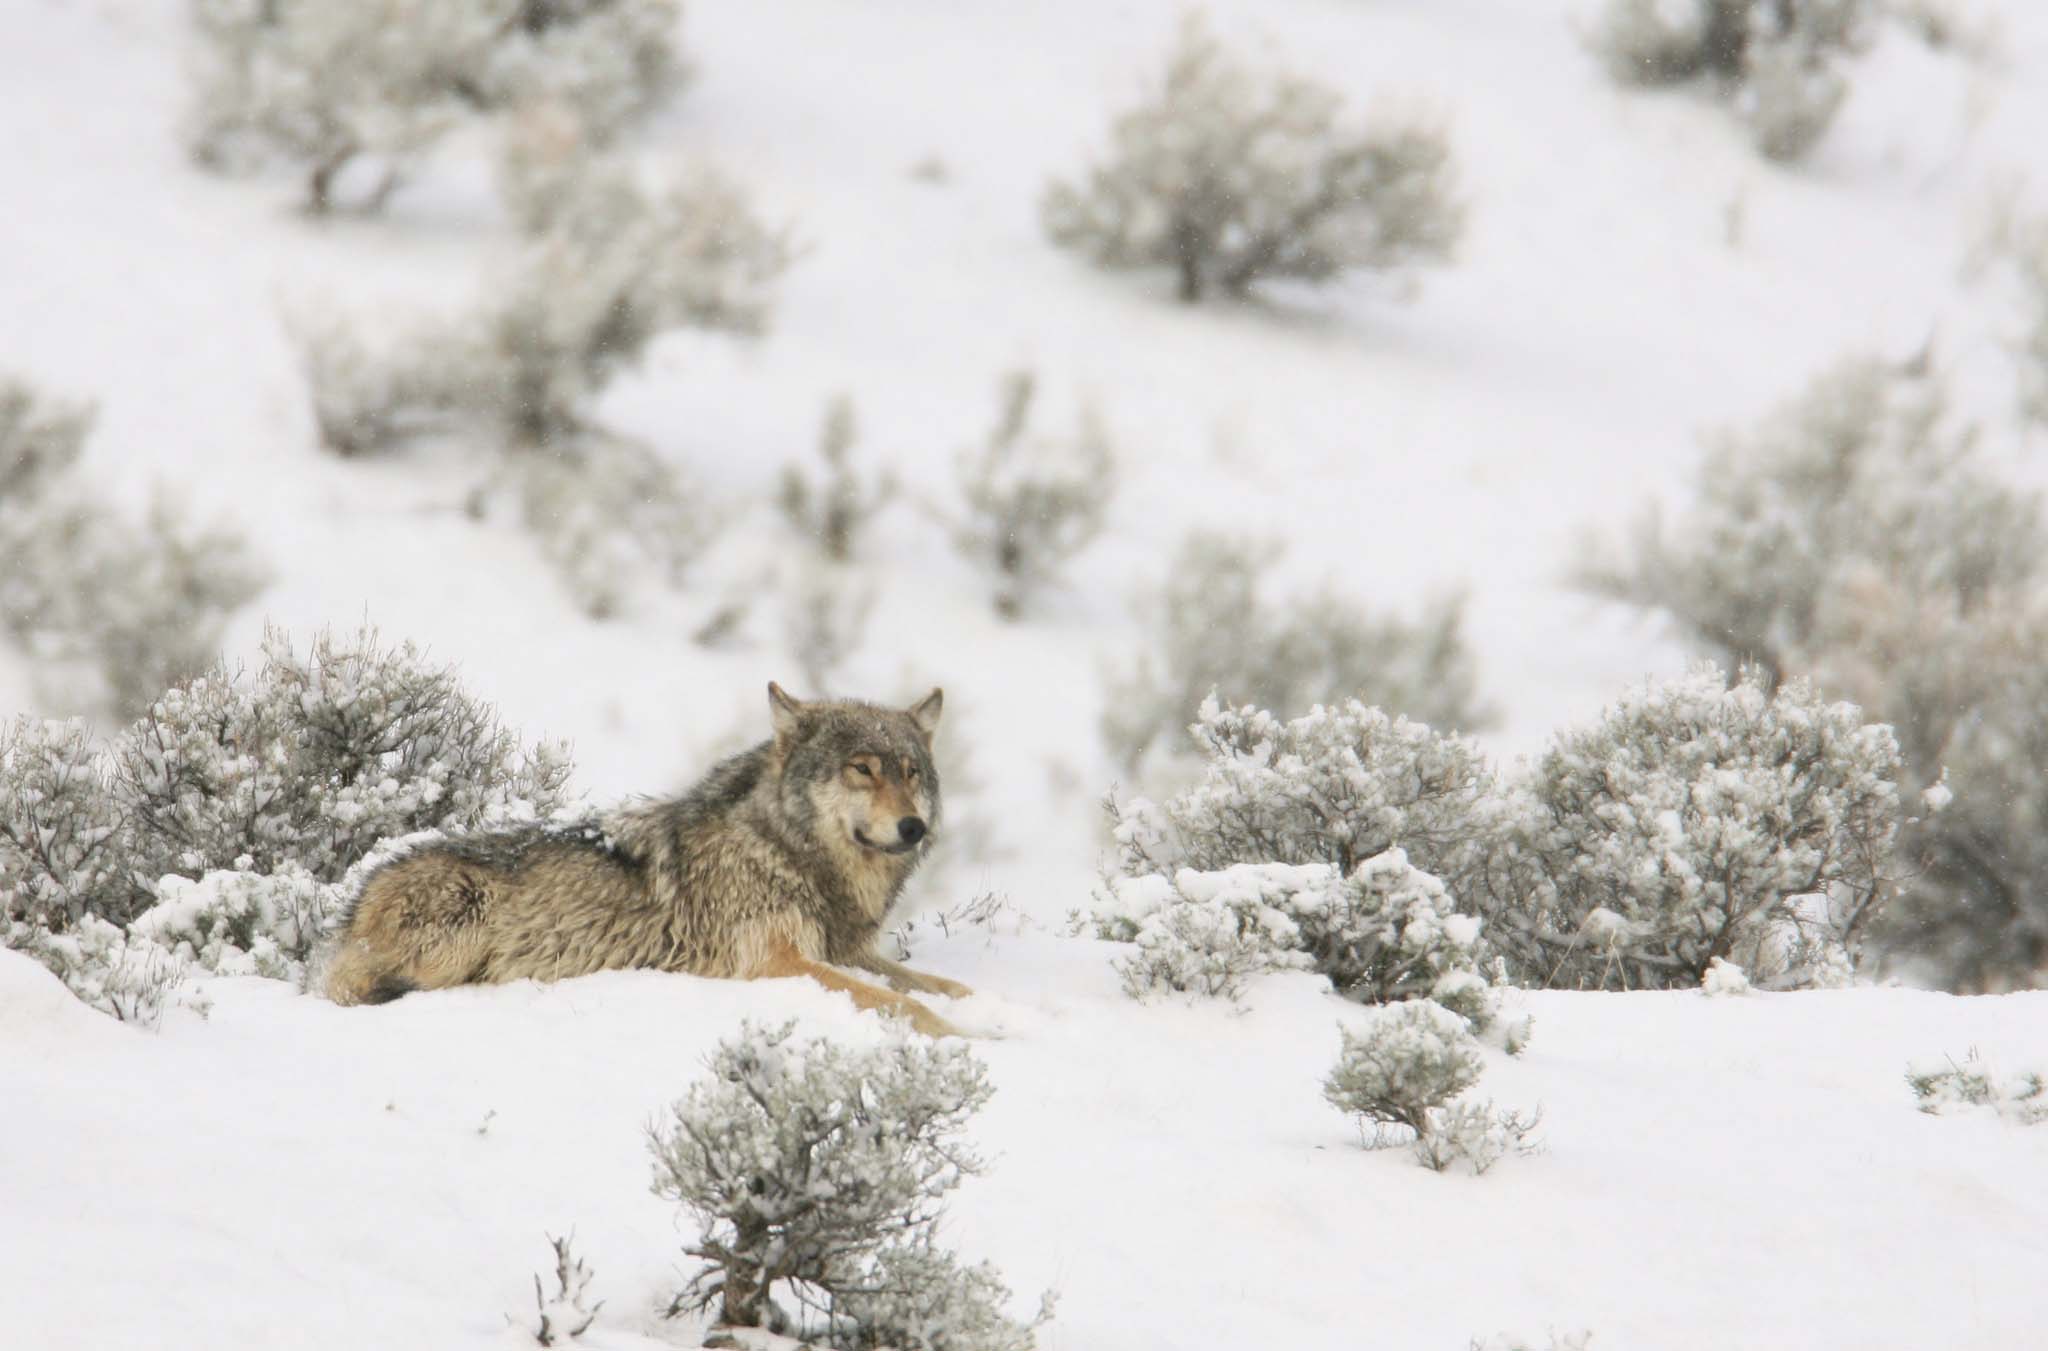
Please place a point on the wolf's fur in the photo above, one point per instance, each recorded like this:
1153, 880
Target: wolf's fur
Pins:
781, 862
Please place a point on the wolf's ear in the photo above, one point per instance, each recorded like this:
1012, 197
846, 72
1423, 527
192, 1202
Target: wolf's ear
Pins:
925, 713
784, 711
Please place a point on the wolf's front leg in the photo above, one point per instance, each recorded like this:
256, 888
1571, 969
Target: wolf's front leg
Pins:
785, 960
902, 977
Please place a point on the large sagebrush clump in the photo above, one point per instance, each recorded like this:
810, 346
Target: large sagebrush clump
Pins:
817, 1174
1860, 536
1698, 820
219, 826
1231, 176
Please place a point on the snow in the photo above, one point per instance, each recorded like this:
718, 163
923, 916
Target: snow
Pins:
1719, 1172
287, 1173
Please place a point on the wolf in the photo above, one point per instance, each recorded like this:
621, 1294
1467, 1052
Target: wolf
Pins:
780, 862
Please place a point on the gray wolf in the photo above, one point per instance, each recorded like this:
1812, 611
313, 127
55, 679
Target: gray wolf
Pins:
780, 862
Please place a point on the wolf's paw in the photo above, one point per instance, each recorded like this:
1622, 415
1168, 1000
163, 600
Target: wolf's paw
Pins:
951, 989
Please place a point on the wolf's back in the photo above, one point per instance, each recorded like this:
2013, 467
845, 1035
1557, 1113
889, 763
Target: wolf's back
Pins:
542, 902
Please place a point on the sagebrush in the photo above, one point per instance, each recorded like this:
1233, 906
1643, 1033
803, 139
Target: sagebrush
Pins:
1230, 175
1214, 627
817, 1173
1860, 536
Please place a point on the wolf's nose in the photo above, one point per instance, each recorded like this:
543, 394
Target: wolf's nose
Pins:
910, 829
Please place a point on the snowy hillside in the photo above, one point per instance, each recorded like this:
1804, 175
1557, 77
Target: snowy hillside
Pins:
1734, 1172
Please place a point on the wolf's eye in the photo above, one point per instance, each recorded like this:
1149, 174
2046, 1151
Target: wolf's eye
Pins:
861, 767
910, 774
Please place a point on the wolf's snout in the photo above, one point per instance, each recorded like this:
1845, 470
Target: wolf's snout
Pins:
910, 829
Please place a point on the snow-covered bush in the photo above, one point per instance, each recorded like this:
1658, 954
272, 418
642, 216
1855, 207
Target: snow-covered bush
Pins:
615, 267
918, 1297
1945, 1085
1028, 503
818, 1172
316, 757
115, 609
833, 509
1478, 1134
609, 514
61, 854
1208, 933
1386, 932
112, 609
1404, 1061
607, 63
1338, 785
1697, 820
563, 1314
218, 828
121, 974
1215, 628
1724, 977
242, 923
1857, 536
330, 86
1776, 57
1231, 175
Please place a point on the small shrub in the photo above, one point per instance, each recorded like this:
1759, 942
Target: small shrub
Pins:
1477, 1134
614, 267
1689, 823
916, 1297
1386, 932
1777, 57
112, 610
1027, 503
123, 975
1207, 933
327, 87
563, 1314
1232, 176
1404, 1061
1283, 655
61, 830
1945, 1085
609, 514
819, 1172
833, 510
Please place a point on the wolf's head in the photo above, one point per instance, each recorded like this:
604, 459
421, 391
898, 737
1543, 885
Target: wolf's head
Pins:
857, 774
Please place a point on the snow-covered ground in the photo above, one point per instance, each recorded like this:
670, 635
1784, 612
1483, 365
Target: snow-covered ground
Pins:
1736, 1172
